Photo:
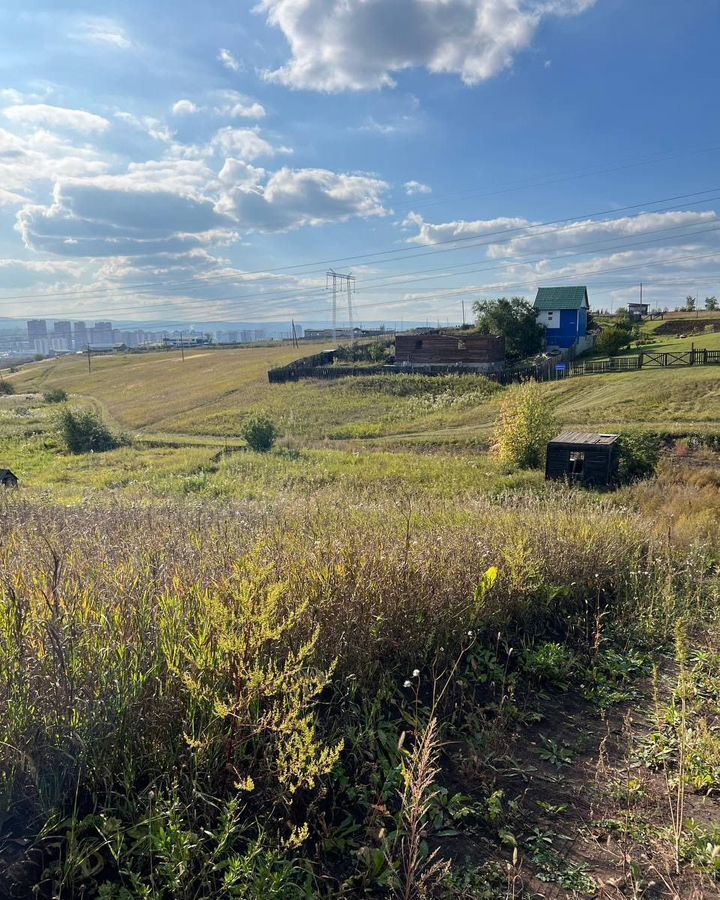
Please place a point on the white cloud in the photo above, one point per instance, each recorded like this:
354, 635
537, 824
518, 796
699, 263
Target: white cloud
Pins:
416, 187
338, 45
154, 128
292, 198
568, 236
106, 32
184, 108
56, 117
429, 233
119, 216
237, 106
407, 124
229, 61
42, 156
244, 142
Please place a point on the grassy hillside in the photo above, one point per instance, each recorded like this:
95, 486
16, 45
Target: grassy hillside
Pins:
300, 674
141, 390
211, 393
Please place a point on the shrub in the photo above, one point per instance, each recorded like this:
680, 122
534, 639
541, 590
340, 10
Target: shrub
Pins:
6, 387
526, 425
259, 432
55, 395
639, 455
83, 432
612, 340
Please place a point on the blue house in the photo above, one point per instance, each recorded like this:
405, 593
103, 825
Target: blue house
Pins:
564, 313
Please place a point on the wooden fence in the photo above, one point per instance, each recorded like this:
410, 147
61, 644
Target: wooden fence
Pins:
553, 369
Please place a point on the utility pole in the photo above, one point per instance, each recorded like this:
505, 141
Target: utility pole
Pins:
335, 278
89, 363
463, 309
182, 347
294, 336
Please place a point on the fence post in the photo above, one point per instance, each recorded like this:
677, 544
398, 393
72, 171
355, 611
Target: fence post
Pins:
640, 359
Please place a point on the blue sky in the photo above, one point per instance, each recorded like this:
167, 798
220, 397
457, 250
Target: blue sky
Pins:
211, 162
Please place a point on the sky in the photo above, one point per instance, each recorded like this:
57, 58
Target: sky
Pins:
177, 161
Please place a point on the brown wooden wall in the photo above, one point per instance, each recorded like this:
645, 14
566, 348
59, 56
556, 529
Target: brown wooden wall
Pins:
439, 349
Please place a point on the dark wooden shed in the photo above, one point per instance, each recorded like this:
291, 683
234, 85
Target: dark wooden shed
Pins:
576, 456
450, 349
8, 478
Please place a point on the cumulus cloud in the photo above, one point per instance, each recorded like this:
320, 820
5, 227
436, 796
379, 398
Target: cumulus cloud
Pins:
179, 205
41, 156
429, 233
244, 142
291, 198
56, 117
229, 61
416, 187
184, 108
340, 46
237, 106
526, 237
116, 217
574, 234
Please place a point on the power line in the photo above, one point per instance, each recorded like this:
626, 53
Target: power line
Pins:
395, 282
420, 250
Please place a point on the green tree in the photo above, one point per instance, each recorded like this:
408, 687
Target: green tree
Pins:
259, 432
83, 432
690, 303
639, 455
711, 303
526, 425
513, 319
613, 339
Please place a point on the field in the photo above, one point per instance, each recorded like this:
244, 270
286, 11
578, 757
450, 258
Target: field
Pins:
373, 662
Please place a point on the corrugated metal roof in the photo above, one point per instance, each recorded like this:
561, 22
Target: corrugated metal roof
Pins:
561, 297
584, 437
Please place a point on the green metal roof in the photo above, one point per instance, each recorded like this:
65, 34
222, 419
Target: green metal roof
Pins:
561, 297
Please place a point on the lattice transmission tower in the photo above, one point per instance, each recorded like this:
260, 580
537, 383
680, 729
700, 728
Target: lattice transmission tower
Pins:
338, 282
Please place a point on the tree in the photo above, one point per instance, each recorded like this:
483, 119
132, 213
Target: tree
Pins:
526, 425
259, 432
6, 387
711, 303
613, 339
83, 432
515, 320
690, 303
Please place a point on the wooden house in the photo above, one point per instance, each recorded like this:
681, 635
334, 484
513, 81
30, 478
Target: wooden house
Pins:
591, 459
563, 311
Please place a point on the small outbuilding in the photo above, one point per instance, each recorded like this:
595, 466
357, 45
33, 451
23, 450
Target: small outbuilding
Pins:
8, 479
476, 352
591, 459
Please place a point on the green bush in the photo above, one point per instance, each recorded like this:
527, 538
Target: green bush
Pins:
83, 432
612, 340
639, 455
55, 395
6, 387
526, 425
259, 432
